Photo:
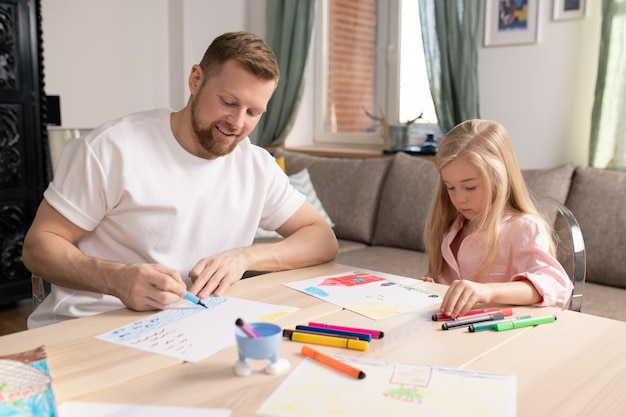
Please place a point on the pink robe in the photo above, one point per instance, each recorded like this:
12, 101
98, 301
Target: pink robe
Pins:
523, 254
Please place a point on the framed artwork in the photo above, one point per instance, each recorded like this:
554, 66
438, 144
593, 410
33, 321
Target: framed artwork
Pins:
569, 9
511, 22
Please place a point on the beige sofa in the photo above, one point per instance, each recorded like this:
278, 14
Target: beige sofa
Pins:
379, 207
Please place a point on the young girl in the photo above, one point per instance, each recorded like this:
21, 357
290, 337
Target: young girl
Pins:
484, 235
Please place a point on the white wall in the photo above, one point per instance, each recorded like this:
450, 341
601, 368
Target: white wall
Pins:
543, 93
106, 58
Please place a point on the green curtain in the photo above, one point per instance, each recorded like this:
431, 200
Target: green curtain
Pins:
289, 31
608, 119
450, 36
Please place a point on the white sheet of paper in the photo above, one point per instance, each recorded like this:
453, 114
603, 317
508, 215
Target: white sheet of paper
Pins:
192, 333
391, 389
372, 294
82, 409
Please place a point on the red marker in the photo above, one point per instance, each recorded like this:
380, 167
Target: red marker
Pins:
441, 316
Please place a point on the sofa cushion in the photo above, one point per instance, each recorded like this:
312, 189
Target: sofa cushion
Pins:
301, 181
549, 182
349, 189
597, 199
405, 201
605, 301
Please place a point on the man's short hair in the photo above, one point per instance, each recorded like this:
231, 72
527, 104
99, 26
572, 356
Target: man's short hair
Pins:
246, 48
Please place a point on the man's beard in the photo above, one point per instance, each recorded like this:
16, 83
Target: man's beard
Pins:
207, 139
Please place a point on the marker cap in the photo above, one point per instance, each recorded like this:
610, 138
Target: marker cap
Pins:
504, 326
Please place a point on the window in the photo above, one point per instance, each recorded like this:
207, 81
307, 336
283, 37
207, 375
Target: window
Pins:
369, 57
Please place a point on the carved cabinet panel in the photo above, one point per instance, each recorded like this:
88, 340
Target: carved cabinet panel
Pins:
24, 155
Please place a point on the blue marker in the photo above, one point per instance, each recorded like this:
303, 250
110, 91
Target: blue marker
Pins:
194, 299
189, 295
332, 332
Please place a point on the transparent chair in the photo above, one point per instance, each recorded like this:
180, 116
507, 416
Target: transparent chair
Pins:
41, 289
570, 245
58, 138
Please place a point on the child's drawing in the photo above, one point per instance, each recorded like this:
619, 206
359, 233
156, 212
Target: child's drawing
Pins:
374, 295
391, 389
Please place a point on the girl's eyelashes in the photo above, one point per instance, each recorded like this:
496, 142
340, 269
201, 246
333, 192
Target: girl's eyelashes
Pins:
466, 188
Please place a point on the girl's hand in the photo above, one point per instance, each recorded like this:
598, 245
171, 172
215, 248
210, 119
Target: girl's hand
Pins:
462, 296
427, 279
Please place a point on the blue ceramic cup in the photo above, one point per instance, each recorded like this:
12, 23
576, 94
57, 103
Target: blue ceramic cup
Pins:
266, 346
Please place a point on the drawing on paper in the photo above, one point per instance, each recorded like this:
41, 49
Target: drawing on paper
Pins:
26, 384
371, 294
409, 378
391, 389
192, 333
152, 328
356, 278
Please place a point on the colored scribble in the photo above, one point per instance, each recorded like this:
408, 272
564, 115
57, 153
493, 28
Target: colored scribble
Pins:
273, 316
357, 278
318, 292
405, 394
377, 309
150, 328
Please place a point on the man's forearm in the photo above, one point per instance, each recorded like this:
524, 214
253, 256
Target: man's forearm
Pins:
60, 262
308, 246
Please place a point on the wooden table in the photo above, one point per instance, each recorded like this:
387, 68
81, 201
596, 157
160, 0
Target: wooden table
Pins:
574, 367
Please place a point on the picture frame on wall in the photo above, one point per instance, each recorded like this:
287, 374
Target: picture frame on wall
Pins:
511, 22
569, 9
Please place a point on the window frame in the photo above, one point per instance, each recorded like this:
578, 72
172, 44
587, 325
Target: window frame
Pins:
387, 73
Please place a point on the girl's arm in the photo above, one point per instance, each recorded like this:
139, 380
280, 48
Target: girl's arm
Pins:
527, 273
463, 295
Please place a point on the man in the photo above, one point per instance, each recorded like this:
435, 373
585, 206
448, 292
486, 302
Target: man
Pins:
144, 203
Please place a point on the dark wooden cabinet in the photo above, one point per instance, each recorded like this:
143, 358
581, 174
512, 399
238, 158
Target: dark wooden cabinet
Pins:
24, 153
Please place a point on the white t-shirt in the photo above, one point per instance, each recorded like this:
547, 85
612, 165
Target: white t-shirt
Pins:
143, 198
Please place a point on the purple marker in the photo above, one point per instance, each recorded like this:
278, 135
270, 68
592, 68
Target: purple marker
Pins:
246, 328
376, 334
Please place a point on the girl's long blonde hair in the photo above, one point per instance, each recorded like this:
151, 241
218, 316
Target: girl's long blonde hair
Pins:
486, 145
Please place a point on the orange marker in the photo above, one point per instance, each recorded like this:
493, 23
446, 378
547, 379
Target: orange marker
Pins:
332, 362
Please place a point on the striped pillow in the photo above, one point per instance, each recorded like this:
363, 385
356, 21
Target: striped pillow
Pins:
301, 181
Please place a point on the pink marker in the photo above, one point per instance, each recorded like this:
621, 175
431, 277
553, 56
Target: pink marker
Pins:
246, 328
489, 310
376, 334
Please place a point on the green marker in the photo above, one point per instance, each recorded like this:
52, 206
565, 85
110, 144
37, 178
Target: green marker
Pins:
533, 321
490, 325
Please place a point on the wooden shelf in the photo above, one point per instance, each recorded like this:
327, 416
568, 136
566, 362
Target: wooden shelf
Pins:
338, 151
341, 151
